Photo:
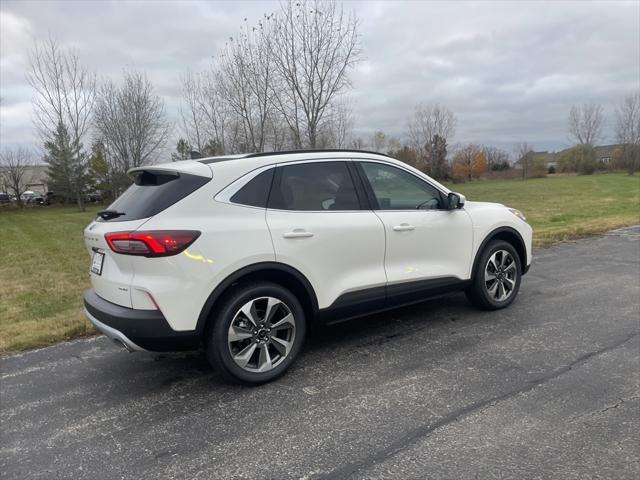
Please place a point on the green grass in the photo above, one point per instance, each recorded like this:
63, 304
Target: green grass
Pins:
44, 266
44, 269
565, 207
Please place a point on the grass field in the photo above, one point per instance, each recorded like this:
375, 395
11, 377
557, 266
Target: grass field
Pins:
44, 267
564, 207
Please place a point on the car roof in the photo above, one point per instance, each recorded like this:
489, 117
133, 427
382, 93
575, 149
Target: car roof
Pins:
286, 153
228, 171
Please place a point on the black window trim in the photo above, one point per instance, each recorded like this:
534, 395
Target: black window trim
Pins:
246, 181
225, 193
371, 195
277, 178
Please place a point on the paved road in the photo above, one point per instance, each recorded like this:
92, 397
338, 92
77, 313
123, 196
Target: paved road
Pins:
547, 388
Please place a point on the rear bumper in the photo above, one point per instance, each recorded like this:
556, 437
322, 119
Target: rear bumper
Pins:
136, 329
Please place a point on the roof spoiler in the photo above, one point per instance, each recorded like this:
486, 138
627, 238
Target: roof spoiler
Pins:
152, 169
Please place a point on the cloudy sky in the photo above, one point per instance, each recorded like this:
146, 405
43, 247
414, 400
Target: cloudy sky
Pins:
510, 70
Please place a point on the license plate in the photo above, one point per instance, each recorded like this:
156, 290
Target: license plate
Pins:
96, 263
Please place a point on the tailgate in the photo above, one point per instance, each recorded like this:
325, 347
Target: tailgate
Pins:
116, 273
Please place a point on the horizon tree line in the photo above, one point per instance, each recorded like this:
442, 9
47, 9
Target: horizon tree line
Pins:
281, 84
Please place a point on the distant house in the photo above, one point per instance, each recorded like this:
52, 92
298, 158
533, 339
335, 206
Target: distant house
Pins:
36, 179
550, 158
604, 154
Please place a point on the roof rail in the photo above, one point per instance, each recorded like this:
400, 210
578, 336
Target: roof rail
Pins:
324, 150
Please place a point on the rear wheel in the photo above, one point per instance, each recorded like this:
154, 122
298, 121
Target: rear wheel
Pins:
257, 333
496, 279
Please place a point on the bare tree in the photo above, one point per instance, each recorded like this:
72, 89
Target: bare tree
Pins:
313, 44
336, 130
431, 120
628, 130
496, 157
191, 112
628, 120
246, 68
379, 141
427, 122
525, 158
585, 123
14, 165
341, 126
130, 119
357, 144
65, 96
215, 112
276, 85
206, 114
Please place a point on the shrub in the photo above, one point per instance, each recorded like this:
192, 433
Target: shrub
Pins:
539, 168
580, 159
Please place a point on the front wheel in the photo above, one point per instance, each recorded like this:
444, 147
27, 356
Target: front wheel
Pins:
257, 333
496, 279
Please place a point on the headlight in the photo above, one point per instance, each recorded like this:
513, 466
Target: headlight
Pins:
518, 214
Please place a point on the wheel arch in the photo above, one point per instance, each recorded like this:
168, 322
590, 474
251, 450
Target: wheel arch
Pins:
280, 273
509, 235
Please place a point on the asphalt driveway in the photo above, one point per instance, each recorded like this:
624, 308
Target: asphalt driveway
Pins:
548, 388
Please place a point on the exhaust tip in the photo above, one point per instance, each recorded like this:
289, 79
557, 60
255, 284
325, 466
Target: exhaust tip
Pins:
120, 343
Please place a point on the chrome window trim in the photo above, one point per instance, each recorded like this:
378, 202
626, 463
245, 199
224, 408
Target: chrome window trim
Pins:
225, 194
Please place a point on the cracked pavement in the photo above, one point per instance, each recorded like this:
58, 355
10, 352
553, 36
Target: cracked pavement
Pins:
548, 388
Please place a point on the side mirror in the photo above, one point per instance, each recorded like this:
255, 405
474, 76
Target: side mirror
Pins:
455, 200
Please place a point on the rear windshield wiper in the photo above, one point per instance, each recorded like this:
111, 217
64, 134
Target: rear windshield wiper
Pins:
109, 214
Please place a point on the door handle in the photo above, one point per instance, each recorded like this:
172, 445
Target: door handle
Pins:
298, 233
403, 227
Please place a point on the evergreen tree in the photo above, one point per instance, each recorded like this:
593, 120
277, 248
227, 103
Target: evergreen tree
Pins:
183, 151
99, 170
59, 156
212, 148
438, 150
68, 173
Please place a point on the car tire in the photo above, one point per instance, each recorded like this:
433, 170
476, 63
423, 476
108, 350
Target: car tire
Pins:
496, 278
246, 346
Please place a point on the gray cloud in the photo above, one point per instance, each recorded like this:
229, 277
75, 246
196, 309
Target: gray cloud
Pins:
510, 70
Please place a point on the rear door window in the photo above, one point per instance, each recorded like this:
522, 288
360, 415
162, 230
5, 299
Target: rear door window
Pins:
314, 186
153, 192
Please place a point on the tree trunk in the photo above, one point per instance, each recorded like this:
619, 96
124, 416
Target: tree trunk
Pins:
80, 202
312, 137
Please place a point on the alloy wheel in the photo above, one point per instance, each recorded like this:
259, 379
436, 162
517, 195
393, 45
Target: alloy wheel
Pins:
261, 334
500, 275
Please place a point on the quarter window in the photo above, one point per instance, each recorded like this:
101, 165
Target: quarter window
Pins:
314, 186
256, 191
396, 189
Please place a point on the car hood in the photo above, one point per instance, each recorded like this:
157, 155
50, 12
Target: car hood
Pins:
481, 205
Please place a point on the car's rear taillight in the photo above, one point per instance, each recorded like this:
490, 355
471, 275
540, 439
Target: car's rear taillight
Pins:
155, 243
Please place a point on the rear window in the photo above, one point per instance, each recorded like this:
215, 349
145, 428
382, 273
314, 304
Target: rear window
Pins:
153, 192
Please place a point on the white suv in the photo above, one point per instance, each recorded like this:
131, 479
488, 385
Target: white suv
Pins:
244, 253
